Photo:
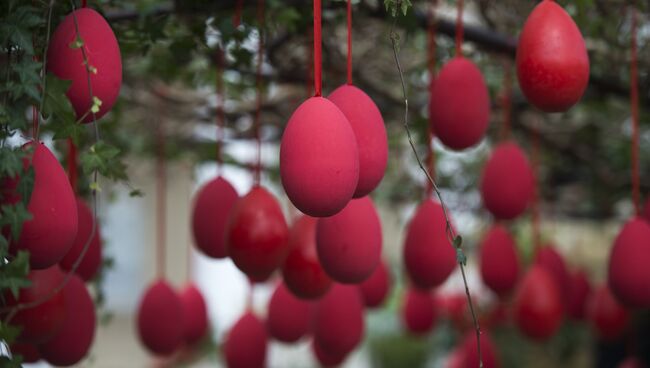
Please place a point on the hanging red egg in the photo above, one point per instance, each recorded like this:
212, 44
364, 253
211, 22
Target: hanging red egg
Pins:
319, 158
302, 271
370, 132
326, 359
245, 345
608, 317
349, 243
629, 274
499, 263
489, 353
66, 61
459, 105
92, 259
375, 289
579, 291
549, 258
160, 319
28, 352
257, 234
538, 305
419, 314
338, 323
195, 315
429, 256
552, 60
507, 182
454, 307
212, 207
73, 341
288, 318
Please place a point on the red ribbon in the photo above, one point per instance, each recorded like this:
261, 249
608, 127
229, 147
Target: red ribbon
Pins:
634, 101
318, 83
349, 42
459, 29
258, 83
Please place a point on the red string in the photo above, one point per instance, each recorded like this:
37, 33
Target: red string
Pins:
83, 3
236, 19
258, 108
310, 67
634, 98
459, 29
350, 42
431, 56
506, 100
73, 173
161, 204
221, 114
536, 190
318, 83
35, 123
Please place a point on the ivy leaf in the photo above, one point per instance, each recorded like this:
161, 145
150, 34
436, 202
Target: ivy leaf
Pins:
103, 158
14, 274
460, 257
56, 103
11, 163
8, 333
14, 215
26, 185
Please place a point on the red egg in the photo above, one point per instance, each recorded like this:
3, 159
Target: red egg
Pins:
338, 322
319, 158
102, 53
459, 105
195, 315
368, 126
92, 259
631, 362
349, 243
629, 274
552, 60
212, 207
538, 305
288, 318
72, 342
245, 345
499, 263
41, 322
160, 319
489, 353
375, 289
325, 359
579, 291
454, 307
419, 313
507, 182
429, 256
302, 271
50, 233
549, 258
28, 352
608, 317
257, 234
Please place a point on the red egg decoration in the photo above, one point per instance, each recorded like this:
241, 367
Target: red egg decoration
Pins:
73, 341
370, 132
608, 317
195, 314
349, 243
160, 319
103, 54
319, 158
288, 318
453, 307
628, 273
245, 345
326, 359
28, 352
489, 353
338, 323
257, 234
549, 258
579, 292
552, 60
375, 289
429, 256
459, 105
499, 263
538, 305
92, 259
302, 271
212, 207
419, 313
507, 182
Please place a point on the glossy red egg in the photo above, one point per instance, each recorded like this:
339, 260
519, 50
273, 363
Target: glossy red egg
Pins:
489, 353
507, 182
370, 132
302, 271
628, 273
419, 313
549, 258
338, 323
195, 314
160, 319
579, 292
552, 60
92, 259
375, 289
246, 343
257, 234
319, 158
325, 359
538, 305
102, 53
72, 342
498, 261
608, 317
349, 243
28, 352
212, 207
429, 256
459, 107
288, 318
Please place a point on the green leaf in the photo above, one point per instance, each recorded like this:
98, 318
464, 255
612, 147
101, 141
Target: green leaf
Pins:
14, 216
26, 185
77, 43
8, 333
11, 163
103, 157
460, 257
458, 241
56, 103
23, 39
14, 274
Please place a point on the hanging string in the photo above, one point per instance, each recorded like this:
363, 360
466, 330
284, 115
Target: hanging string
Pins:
350, 42
73, 162
534, 207
84, 3
161, 206
318, 87
221, 114
431, 63
310, 67
236, 18
506, 100
634, 101
459, 29
258, 86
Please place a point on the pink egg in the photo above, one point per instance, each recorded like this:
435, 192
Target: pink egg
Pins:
629, 274
498, 261
579, 293
102, 53
319, 158
549, 258
459, 107
370, 132
419, 313
609, 319
288, 318
195, 314
92, 259
489, 353
326, 359
338, 323
246, 343
538, 308
375, 289
160, 319
349, 243
212, 207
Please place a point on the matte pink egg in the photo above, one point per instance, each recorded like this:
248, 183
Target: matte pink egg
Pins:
609, 319
92, 259
628, 273
499, 263
489, 353
338, 324
538, 308
288, 318
375, 289
326, 359
549, 258
160, 319
246, 343
579, 293
195, 314
419, 313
